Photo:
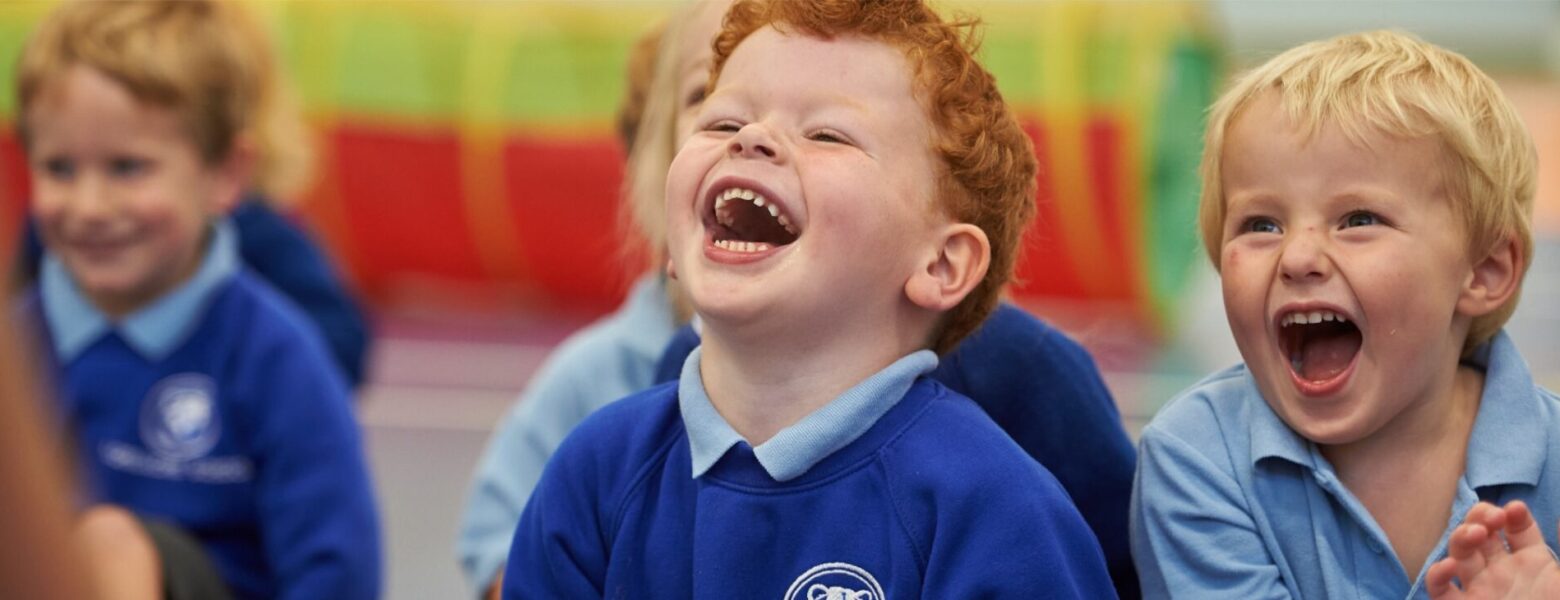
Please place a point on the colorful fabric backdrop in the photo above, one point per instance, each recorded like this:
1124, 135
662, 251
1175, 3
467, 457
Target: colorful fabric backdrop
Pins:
467, 152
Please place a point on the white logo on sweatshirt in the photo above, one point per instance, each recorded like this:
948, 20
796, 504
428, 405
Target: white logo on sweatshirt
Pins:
179, 418
835, 581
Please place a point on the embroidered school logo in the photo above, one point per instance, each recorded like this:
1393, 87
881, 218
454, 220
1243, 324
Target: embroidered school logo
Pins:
179, 419
835, 581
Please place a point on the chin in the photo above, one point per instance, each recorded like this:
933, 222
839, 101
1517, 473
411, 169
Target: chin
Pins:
1328, 425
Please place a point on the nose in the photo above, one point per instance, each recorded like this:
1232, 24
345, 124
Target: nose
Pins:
755, 141
1305, 257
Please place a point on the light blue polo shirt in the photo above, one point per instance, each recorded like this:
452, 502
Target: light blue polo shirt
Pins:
1230, 502
153, 331
795, 449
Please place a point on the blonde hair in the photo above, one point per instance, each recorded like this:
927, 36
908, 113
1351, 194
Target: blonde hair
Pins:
655, 139
204, 59
1394, 83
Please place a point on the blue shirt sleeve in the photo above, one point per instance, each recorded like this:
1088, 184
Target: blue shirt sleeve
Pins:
607, 361
1192, 534
549, 408
318, 520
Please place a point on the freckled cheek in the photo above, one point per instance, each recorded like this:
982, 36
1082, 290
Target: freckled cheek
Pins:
1231, 259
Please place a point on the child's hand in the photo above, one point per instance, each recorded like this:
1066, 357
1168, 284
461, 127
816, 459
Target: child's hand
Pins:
1522, 567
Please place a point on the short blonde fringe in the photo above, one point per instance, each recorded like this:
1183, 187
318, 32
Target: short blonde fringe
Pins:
1396, 84
207, 60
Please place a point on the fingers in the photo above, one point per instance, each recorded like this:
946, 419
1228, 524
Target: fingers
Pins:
1438, 581
1494, 520
1521, 530
1467, 550
1484, 513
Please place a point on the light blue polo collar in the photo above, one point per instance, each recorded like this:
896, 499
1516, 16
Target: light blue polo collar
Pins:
154, 331
795, 449
1507, 426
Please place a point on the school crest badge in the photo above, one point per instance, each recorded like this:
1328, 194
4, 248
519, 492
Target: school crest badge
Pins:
835, 581
179, 419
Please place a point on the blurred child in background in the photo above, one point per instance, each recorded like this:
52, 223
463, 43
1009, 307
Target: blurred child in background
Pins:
617, 355
269, 243
219, 451
1367, 201
1040, 386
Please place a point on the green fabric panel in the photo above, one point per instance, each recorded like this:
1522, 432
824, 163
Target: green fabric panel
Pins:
16, 23
391, 63
1012, 59
1193, 76
1106, 66
567, 76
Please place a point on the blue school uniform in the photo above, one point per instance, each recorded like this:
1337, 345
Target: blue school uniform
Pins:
278, 250
1232, 503
897, 488
216, 408
1044, 391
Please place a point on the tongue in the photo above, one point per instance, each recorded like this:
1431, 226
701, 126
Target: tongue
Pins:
1326, 355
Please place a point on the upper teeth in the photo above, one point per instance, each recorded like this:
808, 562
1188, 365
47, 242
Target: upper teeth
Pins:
1315, 316
756, 198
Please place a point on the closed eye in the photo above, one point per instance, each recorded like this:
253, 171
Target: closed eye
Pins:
694, 97
728, 126
828, 137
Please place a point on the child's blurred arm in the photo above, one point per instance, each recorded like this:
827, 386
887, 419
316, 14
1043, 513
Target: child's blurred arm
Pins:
588, 370
317, 516
1486, 567
1192, 535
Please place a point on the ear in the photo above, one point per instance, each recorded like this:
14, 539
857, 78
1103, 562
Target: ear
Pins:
1494, 279
671, 270
231, 177
959, 262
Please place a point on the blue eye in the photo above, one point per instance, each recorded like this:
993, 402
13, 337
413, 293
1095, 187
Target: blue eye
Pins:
1259, 225
125, 167
1360, 219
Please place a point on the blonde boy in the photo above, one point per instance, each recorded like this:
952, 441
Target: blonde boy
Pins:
852, 198
1366, 200
219, 451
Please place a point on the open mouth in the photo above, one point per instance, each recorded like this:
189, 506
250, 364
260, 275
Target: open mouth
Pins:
746, 221
1320, 344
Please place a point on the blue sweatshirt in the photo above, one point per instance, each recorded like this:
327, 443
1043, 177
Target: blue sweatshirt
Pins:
929, 500
1044, 391
216, 408
282, 254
